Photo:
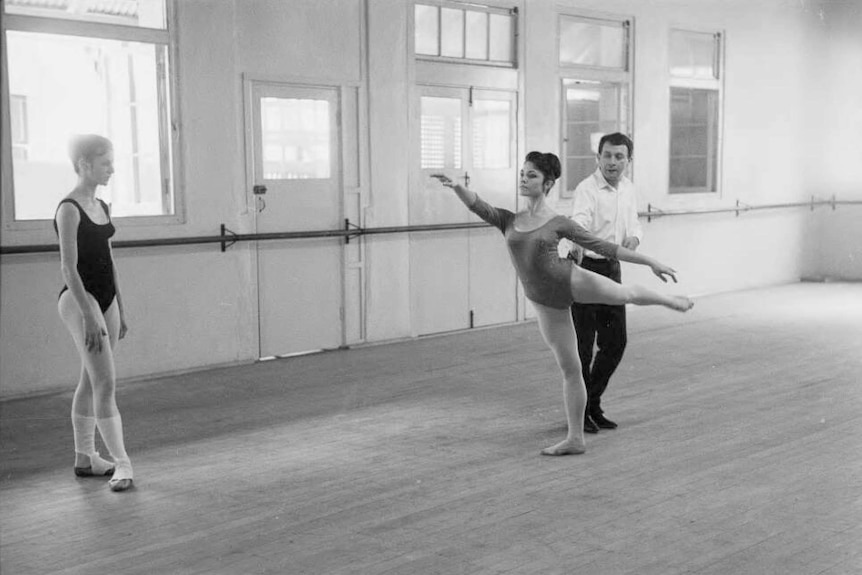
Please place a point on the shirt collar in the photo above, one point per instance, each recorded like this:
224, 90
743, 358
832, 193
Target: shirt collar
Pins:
601, 182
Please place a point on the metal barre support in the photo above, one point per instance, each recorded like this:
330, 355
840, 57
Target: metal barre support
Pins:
227, 238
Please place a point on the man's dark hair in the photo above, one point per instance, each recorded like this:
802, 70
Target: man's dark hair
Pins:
617, 139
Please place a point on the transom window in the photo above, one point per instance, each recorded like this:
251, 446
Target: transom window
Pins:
450, 31
594, 42
81, 67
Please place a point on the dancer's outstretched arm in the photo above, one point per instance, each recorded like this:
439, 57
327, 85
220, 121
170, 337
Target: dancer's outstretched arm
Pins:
465, 195
658, 268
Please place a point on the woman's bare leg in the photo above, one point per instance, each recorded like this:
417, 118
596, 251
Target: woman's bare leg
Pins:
102, 377
559, 333
590, 287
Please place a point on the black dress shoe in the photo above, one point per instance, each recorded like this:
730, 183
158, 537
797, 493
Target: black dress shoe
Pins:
603, 422
590, 425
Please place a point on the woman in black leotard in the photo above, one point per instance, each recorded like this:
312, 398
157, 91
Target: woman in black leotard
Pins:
92, 309
552, 284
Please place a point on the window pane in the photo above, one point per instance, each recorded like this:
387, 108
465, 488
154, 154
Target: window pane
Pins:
76, 85
139, 13
452, 37
592, 43
440, 126
298, 146
577, 169
477, 35
693, 140
426, 32
501, 38
491, 134
693, 55
592, 110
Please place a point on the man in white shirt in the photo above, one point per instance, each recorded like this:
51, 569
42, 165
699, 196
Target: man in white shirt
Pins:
605, 204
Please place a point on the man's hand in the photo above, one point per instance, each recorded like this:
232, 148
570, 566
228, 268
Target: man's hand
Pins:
631, 243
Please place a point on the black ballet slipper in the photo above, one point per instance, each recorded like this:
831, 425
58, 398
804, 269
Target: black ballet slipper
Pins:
121, 484
88, 472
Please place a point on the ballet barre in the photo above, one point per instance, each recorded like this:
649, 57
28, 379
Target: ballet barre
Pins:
227, 238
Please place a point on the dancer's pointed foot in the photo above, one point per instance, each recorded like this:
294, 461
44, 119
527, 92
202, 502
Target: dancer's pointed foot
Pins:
566, 447
681, 303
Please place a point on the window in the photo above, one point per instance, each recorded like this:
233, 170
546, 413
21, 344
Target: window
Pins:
695, 95
453, 32
594, 56
440, 133
89, 66
295, 138
593, 42
592, 109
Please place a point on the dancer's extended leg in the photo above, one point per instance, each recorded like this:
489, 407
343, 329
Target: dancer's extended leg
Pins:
559, 333
590, 287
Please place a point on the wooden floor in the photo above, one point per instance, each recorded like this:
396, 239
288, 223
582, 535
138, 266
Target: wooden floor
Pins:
739, 452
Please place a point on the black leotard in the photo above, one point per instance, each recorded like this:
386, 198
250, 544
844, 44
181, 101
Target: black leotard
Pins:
94, 256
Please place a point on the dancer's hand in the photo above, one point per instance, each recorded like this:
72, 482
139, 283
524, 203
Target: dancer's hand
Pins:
94, 334
662, 270
444, 179
124, 328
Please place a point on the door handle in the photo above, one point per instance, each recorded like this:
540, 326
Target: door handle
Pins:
261, 203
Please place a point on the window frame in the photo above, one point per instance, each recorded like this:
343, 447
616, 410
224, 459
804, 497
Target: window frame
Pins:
466, 7
624, 78
711, 84
169, 139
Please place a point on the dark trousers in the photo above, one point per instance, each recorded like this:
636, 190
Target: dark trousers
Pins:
603, 328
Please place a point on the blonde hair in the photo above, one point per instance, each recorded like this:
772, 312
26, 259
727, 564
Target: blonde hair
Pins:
86, 147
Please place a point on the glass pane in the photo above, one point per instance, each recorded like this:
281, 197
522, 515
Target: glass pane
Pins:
501, 38
491, 134
426, 33
577, 169
580, 138
477, 35
593, 43
297, 147
139, 13
582, 105
452, 33
592, 110
688, 173
67, 85
693, 55
440, 126
693, 140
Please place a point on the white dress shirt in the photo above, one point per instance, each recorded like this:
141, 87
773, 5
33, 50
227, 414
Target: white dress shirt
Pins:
609, 213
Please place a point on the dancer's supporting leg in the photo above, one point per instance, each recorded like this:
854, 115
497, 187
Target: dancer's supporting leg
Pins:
87, 460
559, 333
102, 375
589, 287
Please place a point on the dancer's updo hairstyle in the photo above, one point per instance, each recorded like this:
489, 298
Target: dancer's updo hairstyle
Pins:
548, 164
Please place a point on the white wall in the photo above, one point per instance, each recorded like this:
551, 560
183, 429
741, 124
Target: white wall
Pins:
835, 246
791, 123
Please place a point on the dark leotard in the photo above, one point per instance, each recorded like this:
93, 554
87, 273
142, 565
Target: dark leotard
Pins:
94, 256
547, 279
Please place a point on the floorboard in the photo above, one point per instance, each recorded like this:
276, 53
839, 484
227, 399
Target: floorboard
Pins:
737, 453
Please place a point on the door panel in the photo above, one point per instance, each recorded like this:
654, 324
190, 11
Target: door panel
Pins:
295, 151
461, 279
493, 287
